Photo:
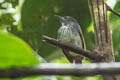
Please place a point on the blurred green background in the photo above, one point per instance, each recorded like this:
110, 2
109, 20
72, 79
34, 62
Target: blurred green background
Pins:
23, 22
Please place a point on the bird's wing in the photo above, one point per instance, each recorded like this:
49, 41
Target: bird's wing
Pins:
77, 26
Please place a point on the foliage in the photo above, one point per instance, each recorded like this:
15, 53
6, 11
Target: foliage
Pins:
14, 52
22, 27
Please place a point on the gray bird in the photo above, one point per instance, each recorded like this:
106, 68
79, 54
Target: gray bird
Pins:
70, 32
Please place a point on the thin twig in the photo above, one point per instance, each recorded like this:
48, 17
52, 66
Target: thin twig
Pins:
113, 11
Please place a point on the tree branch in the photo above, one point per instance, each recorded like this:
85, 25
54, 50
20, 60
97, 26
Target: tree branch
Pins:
62, 69
80, 51
98, 10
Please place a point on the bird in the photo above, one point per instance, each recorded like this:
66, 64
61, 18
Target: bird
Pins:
70, 32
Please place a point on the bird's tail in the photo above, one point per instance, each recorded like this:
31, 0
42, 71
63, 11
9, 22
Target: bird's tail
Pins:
67, 55
73, 57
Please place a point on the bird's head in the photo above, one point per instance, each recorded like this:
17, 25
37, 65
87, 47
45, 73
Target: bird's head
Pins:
66, 20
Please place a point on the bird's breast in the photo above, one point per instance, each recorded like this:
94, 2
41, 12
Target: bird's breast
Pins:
69, 34
65, 33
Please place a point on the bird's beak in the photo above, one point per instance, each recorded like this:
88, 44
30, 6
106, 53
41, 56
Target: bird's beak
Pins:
60, 18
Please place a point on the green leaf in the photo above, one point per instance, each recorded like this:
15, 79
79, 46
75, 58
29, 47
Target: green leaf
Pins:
13, 2
15, 52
